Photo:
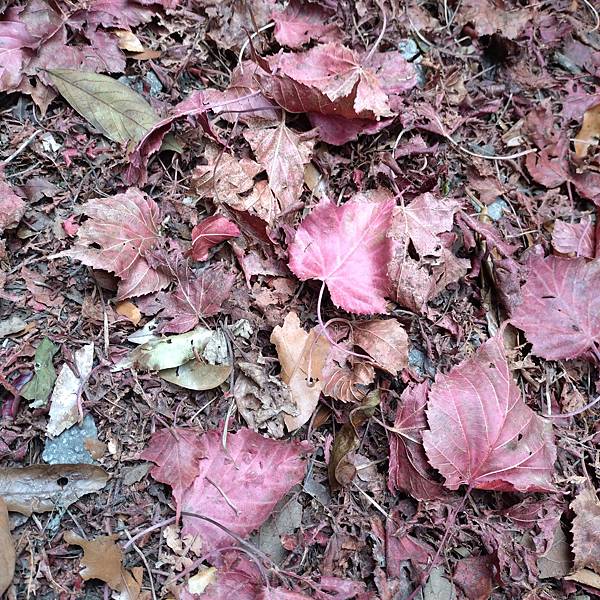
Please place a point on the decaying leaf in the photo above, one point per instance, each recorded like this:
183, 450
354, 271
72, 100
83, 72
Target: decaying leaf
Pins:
125, 227
117, 111
341, 468
586, 530
302, 356
481, 432
346, 247
44, 488
385, 341
7, 550
195, 375
12, 208
574, 238
103, 559
210, 232
560, 307
589, 134
44, 375
64, 403
129, 310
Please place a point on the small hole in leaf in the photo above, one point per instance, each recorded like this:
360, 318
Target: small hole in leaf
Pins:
519, 437
62, 481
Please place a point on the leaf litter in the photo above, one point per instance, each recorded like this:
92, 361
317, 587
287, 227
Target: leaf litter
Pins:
356, 282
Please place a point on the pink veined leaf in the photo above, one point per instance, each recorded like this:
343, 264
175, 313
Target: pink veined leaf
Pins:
125, 227
240, 486
12, 207
327, 79
409, 470
347, 248
481, 432
195, 297
574, 238
210, 232
300, 22
177, 453
15, 44
560, 307
283, 154
338, 130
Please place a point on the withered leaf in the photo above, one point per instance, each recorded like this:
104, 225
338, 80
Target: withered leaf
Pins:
44, 488
114, 109
7, 550
194, 375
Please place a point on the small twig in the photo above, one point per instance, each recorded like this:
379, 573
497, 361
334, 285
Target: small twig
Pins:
245, 44
574, 413
21, 148
145, 561
381, 33
595, 13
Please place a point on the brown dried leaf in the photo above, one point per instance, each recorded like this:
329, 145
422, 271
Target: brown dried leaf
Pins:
103, 559
385, 341
44, 488
590, 131
7, 550
302, 359
586, 530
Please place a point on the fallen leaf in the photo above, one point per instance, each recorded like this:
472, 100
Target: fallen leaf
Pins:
129, 310
126, 227
44, 375
300, 22
327, 79
438, 586
103, 559
560, 308
170, 352
385, 341
177, 453
586, 530
202, 579
283, 154
118, 112
589, 133
346, 247
7, 550
474, 576
302, 356
409, 470
574, 238
585, 577
237, 487
64, 403
12, 208
556, 561
490, 18
194, 375
129, 41
481, 432
45, 488
340, 468
210, 232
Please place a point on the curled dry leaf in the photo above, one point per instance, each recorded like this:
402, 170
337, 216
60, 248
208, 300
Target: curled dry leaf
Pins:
129, 310
589, 134
409, 469
64, 403
302, 356
210, 232
341, 468
385, 341
347, 248
103, 559
560, 307
283, 154
125, 227
586, 529
7, 550
44, 488
117, 111
481, 432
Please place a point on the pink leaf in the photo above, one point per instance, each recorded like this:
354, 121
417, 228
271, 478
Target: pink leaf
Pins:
338, 130
574, 238
283, 154
347, 248
560, 307
195, 297
481, 432
409, 469
12, 208
327, 79
125, 227
301, 22
177, 453
240, 486
210, 232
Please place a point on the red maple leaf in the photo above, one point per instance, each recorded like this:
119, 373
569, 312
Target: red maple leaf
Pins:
560, 307
481, 432
210, 232
346, 247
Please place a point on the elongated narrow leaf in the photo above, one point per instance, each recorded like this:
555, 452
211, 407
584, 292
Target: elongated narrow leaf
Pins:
117, 111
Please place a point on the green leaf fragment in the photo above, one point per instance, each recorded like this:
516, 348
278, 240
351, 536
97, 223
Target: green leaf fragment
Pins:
39, 388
